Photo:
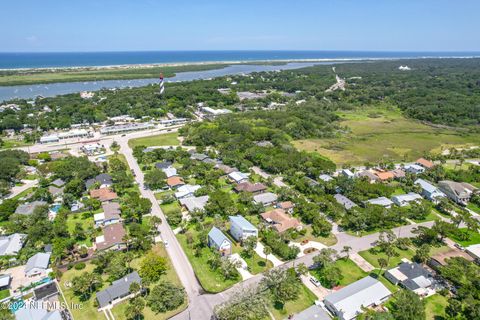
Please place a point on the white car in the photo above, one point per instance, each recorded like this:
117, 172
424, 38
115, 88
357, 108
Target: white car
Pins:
315, 282
165, 243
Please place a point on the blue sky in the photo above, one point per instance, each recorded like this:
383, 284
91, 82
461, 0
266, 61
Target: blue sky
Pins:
125, 25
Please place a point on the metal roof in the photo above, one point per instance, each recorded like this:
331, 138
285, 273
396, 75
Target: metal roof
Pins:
217, 236
241, 222
39, 261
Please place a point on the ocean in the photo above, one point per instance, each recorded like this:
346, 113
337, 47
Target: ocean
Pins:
84, 59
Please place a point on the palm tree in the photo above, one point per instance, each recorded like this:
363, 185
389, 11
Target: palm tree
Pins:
346, 250
383, 264
266, 251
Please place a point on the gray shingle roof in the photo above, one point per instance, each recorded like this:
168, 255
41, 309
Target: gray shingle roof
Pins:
11, 245
265, 198
344, 201
39, 260
194, 203
119, 288
29, 207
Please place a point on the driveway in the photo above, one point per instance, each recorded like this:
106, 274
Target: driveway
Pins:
259, 250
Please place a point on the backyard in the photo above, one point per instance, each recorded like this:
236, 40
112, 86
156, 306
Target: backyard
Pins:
305, 299
467, 239
372, 257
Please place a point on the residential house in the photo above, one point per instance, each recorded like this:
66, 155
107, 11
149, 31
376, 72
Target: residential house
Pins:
441, 259
219, 241
170, 172
429, 191
37, 264
412, 276
5, 280
474, 251
425, 163
287, 206
111, 214
368, 175
281, 221
118, 290
175, 182
380, 201
398, 173
385, 175
460, 192
403, 200
103, 194
350, 301
266, 199
311, 182
112, 238
414, 168
186, 191
325, 177
55, 191
163, 165
238, 177
347, 173
58, 183
344, 201
28, 208
241, 228
194, 203
10, 245
103, 180
198, 156
314, 312
38, 311
247, 186
226, 169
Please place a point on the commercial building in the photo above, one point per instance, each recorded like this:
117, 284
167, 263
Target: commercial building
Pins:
122, 128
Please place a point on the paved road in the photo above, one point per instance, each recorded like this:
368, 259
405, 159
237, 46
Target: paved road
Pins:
27, 184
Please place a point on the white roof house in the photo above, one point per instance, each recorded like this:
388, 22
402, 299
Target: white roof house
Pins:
429, 191
194, 203
170, 172
325, 177
185, 191
37, 264
37, 312
11, 245
404, 199
348, 302
474, 251
238, 176
381, 201
414, 168
347, 173
266, 198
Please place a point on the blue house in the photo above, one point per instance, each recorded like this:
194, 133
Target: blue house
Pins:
219, 241
241, 229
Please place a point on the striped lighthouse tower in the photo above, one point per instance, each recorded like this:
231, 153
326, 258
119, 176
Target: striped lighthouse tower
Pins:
162, 84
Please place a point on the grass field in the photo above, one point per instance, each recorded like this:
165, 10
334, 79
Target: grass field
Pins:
87, 224
472, 206
383, 133
372, 258
168, 139
348, 269
171, 276
211, 281
435, 307
304, 300
328, 241
473, 239
23, 77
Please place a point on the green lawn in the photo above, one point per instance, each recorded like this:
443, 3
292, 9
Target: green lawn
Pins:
349, 270
211, 281
328, 241
431, 217
435, 307
390, 136
4, 294
472, 206
171, 275
168, 139
474, 238
88, 310
305, 300
372, 258
24, 193
87, 224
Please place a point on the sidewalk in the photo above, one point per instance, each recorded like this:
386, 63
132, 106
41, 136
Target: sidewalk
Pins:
362, 263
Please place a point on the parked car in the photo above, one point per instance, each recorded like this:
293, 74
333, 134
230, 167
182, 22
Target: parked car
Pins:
315, 282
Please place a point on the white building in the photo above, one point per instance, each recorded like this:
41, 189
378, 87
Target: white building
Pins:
238, 176
350, 301
381, 201
403, 200
414, 168
37, 264
186, 191
241, 228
